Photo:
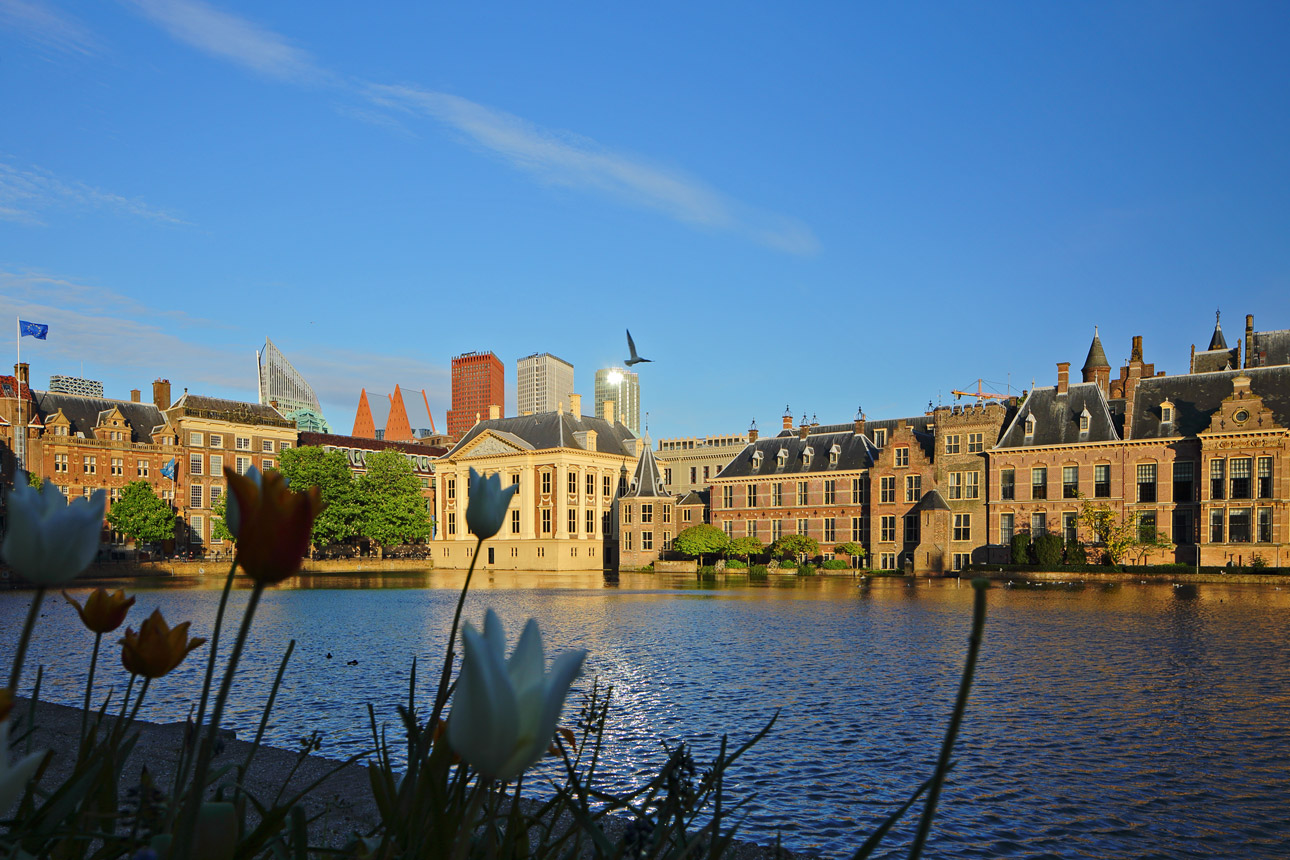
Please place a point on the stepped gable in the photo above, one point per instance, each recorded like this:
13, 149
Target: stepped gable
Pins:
1196, 397
233, 411
1057, 418
83, 413
364, 426
647, 480
556, 430
397, 427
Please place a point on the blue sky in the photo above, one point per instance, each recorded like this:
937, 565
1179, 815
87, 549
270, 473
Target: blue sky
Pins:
823, 206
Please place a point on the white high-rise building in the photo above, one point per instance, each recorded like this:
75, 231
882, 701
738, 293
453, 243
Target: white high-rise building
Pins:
282, 387
545, 383
623, 387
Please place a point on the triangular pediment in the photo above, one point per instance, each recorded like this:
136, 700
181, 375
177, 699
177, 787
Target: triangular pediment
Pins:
493, 443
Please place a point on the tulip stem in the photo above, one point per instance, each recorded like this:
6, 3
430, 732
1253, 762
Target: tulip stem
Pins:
89, 687
33, 613
441, 697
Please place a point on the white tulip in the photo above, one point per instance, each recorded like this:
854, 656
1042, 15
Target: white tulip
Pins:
504, 713
232, 516
14, 778
488, 503
49, 541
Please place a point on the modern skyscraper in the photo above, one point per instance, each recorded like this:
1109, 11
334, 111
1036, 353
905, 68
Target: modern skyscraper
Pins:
282, 387
478, 382
623, 387
544, 383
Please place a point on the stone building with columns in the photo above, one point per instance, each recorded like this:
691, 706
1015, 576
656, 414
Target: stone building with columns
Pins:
571, 469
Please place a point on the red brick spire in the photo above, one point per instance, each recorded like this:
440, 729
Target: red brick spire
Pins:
364, 426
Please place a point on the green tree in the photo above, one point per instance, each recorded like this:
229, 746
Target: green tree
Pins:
342, 514
141, 516
701, 540
795, 546
34, 481
852, 549
392, 509
744, 547
219, 528
1117, 533
1048, 551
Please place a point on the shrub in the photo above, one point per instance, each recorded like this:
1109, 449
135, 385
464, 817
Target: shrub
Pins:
786, 564
735, 564
757, 573
707, 573
1021, 548
1047, 550
1258, 562
806, 570
835, 564
1076, 553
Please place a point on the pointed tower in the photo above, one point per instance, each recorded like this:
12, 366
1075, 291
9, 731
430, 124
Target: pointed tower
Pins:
1096, 367
646, 521
1218, 341
397, 426
364, 426
647, 481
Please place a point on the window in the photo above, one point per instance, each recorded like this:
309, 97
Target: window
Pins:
266, 446
1184, 530
647, 513
60, 463
880, 436
667, 513
546, 483
1147, 527
1102, 481
546, 520
452, 488
857, 491
195, 440
888, 488
591, 522
283, 446
90, 465
801, 492
776, 495
1238, 525
266, 465
1166, 414
902, 456
667, 543
913, 488
1146, 482
911, 528
971, 485
776, 529
887, 561
952, 444
591, 482
515, 522
1070, 528
803, 527
963, 527
857, 529
1039, 483
573, 521
1264, 533
1006, 526
217, 441
750, 528
686, 515
195, 496
705, 474
243, 443
627, 514
1242, 469
1265, 477
727, 497
1216, 526
729, 528
751, 493
199, 527
573, 483
217, 464
888, 529
1030, 428
962, 560
1070, 482
976, 443
1038, 524
1008, 484
1217, 482
830, 492
667, 479
217, 493
1184, 481
607, 489
647, 540
195, 464
118, 466
141, 468
954, 489
830, 530
694, 475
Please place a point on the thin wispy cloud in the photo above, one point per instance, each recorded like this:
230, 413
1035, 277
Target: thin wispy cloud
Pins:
47, 25
28, 193
555, 158
231, 38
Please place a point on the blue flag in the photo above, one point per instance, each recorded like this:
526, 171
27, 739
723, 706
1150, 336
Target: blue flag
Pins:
36, 330
170, 469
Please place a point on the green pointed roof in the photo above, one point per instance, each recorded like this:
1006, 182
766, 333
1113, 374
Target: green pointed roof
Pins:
1096, 355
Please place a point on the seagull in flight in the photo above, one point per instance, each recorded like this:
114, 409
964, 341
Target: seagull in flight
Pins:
635, 359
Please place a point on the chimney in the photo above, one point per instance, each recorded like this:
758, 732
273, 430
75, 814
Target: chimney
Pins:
575, 405
22, 372
161, 394
135, 395
752, 432
1249, 339
494, 412
607, 407
1136, 355
804, 429
788, 419
857, 424
1063, 376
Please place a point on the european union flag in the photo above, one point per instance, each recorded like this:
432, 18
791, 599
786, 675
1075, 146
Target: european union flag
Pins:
170, 469
36, 330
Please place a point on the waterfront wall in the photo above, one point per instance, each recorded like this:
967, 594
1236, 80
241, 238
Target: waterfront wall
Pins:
220, 568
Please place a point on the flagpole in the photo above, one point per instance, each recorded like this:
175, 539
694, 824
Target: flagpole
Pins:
19, 448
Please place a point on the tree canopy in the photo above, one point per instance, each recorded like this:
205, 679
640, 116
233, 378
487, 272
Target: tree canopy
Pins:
744, 547
698, 541
311, 466
393, 511
141, 515
850, 548
793, 546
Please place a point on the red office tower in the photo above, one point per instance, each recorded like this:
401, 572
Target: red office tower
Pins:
478, 382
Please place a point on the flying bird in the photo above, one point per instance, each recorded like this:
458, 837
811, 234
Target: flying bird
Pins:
635, 359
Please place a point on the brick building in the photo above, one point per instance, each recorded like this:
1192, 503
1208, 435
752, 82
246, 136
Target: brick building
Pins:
478, 382
647, 519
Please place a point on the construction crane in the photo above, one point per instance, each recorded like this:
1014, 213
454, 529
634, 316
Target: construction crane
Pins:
979, 394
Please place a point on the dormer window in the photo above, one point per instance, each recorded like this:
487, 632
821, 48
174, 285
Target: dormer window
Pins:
880, 436
782, 457
1030, 427
835, 453
1084, 419
1166, 413
756, 459
807, 453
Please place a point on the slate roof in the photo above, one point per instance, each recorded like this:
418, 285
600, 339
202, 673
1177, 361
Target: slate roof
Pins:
925, 437
1215, 361
1057, 418
320, 440
1196, 397
556, 430
1217, 341
1268, 348
84, 412
854, 452
694, 497
647, 481
237, 411
1096, 355
932, 500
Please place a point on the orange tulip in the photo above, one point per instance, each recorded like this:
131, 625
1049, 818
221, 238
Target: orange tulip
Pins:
156, 649
6, 705
274, 525
102, 612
